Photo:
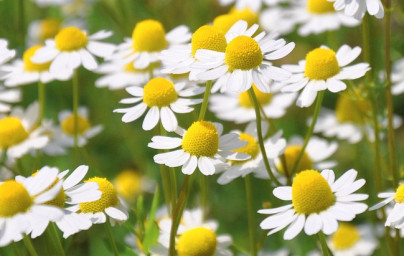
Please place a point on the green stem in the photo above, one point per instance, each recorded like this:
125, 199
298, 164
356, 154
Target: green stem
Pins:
260, 137
30, 247
251, 212
323, 243
15, 249
367, 53
204, 193
42, 100
56, 240
151, 71
111, 238
76, 107
317, 108
205, 101
167, 181
173, 187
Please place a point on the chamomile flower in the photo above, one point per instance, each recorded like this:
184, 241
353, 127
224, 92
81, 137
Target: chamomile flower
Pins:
238, 108
71, 193
323, 69
149, 38
24, 71
195, 236
397, 77
353, 240
246, 60
24, 202
318, 203
118, 75
274, 148
8, 96
85, 130
358, 8
163, 98
178, 59
18, 132
72, 48
254, 5
202, 146
109, 205
130, 184
41, 30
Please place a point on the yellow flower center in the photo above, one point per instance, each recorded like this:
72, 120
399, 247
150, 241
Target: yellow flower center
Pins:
400, 194
244, 53
71, 39
201, 139
149, 36
321, 64
226, 21
311, 193
48, 28
197, 242
59, 199
320, 6
351, 110
208, 37
68, 125
252, 147
263, 98
29, 65
12, 132
159, 92
345, 237
109, 196
291, 153
14, 199
128, 184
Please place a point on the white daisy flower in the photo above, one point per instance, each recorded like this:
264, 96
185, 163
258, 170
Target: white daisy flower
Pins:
358, 8
8, 96
24, 71
245, 61
202, 146
274, 148
254, 5
148, 40
163, 98
352, 240
19, 133
321, 70
195, 236
238, 108
318, 203
24, 202
72, 48
85, 130
314, 157
71, 193
397, 77
41, 30
109, 205
315, 17
119, 75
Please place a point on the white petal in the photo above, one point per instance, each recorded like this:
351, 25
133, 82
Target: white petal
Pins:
168, 119
283, 193
295, 228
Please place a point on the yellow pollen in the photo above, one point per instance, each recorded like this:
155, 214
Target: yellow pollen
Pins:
109, 196
351, 110
14, 199
149, 36
159, 92
291, 153
12, 132
68, 125
71, 39
128, 184
345, 236
321, 64
252, 147
201, 139
311, 193
320, 6
399, 196
225, 21
263, 98
29, 65
208, 37
48, 28
197, 242
244, 53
